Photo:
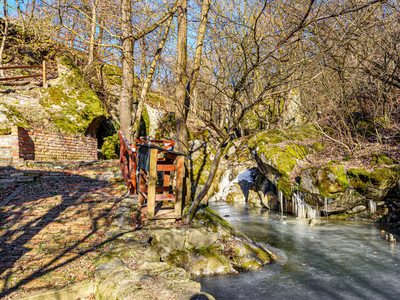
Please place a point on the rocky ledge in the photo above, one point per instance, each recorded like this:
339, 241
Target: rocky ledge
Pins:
160, 260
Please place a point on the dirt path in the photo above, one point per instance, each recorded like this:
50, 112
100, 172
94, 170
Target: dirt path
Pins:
52, 233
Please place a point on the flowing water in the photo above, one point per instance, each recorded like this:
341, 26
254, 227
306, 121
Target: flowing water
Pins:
333, 260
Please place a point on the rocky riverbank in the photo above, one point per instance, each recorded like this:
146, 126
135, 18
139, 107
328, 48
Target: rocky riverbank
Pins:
160, 260
308, 173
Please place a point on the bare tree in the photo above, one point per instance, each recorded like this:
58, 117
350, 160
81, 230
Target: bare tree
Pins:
258, 40
5, 33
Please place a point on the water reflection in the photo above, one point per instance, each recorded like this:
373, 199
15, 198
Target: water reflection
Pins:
333, 260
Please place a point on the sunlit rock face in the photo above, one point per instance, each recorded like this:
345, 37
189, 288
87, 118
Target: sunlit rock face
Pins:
210, 246
328, 189
70, 101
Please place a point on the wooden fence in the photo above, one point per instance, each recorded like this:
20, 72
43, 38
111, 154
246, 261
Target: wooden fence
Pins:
144, 182
43, 75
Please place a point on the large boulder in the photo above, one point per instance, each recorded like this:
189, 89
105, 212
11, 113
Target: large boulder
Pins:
73, 106
10, 116
329, 188
210, 246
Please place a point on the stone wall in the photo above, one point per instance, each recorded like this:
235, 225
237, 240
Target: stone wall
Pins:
40, 145
5, 149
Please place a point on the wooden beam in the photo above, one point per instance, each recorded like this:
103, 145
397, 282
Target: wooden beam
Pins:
166, 168
20, 77
158, 189
170, 155
165, 197
164, 217
151, 194
44, 75
21, 67
179, 185
167, 176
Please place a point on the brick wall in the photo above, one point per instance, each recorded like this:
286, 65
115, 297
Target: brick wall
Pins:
46, 146
5, 149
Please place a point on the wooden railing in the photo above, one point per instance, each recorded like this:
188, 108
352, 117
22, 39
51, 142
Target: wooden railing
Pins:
43, 75
144, 183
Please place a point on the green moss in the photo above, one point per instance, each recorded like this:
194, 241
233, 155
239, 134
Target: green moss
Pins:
263, 255
144, 127
274, 136
379, 178
167, 127
178, 258
110, 147
203, 135
156, 99
329, 180
113, 74
381, 159
318, 147
200, 164
72, 104
284, 186
13, 116
334, 162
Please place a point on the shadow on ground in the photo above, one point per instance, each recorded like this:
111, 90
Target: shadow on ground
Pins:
51, 225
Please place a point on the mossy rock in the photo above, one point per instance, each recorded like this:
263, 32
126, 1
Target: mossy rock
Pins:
382, 159
110, 147
228, 250
276, 160
368, 126
112, 74
326, 181
167, 128
157, 100
10, 116
70, 101
202, 156
375, 184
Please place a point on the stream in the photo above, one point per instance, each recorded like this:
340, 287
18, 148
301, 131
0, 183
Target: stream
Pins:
332, 260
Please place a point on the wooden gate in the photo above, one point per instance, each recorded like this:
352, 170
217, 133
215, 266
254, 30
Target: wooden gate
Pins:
141, 178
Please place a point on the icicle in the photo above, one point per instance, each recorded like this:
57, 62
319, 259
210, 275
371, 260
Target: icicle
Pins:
372, 206
303, 210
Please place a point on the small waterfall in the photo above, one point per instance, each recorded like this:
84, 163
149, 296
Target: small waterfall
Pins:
372, 206
302, 209
224, 186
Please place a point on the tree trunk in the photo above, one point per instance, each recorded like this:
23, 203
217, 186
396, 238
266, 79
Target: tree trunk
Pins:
5, 32
181, 142
22, 21
92, 35
149, 77
127, 70
199, 45
213, 171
